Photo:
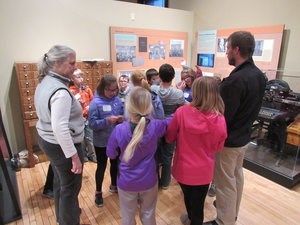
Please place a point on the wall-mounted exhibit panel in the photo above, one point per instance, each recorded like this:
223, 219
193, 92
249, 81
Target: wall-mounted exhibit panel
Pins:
142, 49
211, 49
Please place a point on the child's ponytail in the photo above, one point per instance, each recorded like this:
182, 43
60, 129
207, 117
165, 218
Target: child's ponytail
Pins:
136, 138
139, 107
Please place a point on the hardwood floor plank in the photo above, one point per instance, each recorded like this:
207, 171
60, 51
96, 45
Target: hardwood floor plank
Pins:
264, 202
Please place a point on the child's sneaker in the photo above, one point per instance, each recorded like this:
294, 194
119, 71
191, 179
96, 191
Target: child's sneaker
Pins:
98, 200
113, 189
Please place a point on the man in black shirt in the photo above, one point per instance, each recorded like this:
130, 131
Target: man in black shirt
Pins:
242, 92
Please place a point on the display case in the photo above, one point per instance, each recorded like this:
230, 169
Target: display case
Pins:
275, 146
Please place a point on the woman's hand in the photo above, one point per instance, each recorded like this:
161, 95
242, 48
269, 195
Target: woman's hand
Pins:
76, 164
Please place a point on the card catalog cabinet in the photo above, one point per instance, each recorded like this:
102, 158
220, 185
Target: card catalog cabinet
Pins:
93, 71
27, 79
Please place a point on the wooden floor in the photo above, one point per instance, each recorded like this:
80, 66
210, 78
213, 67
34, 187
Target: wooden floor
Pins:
264, 202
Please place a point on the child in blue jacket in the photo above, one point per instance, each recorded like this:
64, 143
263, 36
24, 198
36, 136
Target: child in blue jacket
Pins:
106, 110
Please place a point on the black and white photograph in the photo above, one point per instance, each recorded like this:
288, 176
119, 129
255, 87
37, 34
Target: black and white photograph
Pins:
125, 47
222, 44
157, 51
176, 48
259, 47
125, 53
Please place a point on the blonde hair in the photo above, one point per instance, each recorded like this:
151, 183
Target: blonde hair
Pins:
218, 76
138, 78
78, 72
206, 95
188, 72
138, 108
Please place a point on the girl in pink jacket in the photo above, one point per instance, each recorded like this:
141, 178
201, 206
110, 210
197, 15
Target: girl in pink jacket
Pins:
199, 130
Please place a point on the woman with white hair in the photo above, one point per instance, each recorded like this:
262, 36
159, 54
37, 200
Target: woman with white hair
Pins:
61, 129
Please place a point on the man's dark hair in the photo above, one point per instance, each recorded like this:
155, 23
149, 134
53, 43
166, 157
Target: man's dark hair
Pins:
150, 73
245, 41
166, 73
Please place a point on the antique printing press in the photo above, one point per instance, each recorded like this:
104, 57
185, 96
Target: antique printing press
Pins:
280, 107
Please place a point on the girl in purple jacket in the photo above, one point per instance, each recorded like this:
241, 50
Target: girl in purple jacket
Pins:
136, 142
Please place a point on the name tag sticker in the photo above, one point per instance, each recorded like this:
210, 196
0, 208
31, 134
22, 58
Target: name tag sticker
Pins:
107, 108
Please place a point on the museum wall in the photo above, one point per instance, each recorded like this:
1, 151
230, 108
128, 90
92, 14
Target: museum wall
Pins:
216, 14
30, 27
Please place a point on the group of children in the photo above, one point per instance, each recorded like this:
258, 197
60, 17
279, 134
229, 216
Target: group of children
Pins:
139, 134
139, 128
